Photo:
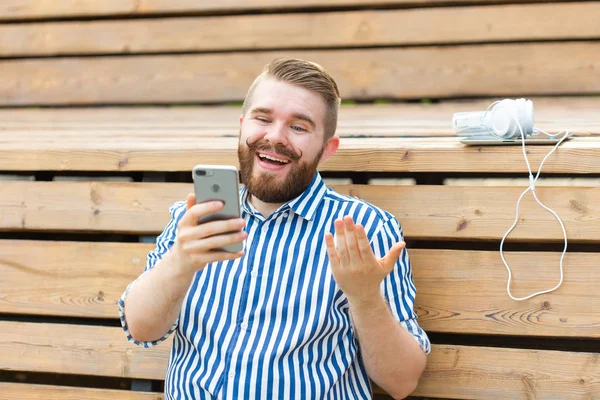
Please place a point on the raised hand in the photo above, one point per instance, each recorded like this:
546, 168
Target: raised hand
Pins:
355, 268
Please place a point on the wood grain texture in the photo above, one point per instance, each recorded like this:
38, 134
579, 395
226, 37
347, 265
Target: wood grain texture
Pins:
447, 71
523, 182
127, 153
452, 371
457, 291
426, 212
35, 9
78, 349
465, 292
450, 212
305, 30
9, 390
80, 279
141, 208
462, 372
578, 114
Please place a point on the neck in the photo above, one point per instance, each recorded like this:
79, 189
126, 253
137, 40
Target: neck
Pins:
266, 209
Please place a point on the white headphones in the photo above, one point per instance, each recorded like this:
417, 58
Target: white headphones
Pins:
511, 119
502, 118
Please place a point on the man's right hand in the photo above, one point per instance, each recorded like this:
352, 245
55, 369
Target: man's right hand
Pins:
192, 249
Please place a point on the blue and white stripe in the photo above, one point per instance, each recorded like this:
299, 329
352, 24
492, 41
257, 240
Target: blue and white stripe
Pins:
274, 324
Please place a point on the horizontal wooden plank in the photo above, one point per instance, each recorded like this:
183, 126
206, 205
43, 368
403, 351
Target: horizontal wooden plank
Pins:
31, 391
84, 279
309, 30
477, 213
128, 153
426, 212
522, 182
579, 114
447, 71
78, 349
142, 208
464, 372
457, 291
465, 292
452, 371
34, 9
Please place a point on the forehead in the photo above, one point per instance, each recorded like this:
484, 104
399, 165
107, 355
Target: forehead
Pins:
286, 99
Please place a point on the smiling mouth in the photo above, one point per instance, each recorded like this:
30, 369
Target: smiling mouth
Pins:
272, 160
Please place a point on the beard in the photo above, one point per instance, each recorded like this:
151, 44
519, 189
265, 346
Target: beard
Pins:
266, 186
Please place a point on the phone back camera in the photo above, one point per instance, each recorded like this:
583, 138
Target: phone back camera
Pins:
215, 188
201, 172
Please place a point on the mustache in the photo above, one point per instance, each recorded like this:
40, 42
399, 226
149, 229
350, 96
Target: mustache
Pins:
277, 149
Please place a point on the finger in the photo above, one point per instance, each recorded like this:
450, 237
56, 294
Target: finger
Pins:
213, 242
352, 242
211, 229
190, 201
340, 241
389, 261
193, 214
334, 258
364, 246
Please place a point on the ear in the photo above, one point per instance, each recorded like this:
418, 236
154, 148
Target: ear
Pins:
241, 119
330, 148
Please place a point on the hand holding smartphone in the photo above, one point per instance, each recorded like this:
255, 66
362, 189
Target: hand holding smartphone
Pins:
218, 183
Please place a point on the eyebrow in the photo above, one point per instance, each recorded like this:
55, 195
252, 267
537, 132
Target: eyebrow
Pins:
268, 111
261, 110
306, 118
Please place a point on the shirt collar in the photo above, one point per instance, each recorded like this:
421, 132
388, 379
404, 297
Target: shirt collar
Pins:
305, 204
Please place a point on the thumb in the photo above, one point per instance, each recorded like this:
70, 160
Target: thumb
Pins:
191, 200
389, 261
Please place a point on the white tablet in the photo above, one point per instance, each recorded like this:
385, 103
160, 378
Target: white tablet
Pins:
485, 140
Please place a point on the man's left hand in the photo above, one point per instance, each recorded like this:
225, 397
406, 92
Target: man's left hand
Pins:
355, 268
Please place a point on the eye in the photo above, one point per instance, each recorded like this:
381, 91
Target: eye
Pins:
298, 128
262, 120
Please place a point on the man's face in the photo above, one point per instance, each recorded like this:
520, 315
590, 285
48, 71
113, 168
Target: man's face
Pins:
282, 140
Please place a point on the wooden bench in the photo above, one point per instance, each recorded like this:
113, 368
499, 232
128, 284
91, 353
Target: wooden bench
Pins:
108, 105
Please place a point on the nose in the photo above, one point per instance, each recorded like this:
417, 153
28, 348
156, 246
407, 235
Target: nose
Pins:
277, 134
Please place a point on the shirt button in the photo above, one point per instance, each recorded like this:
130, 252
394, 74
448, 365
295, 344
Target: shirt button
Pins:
231, 375
254, 274
285, 215
244, 325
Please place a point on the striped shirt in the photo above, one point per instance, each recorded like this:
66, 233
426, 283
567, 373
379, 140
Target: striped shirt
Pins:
274, 324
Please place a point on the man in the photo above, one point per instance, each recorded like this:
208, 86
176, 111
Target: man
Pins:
321, 298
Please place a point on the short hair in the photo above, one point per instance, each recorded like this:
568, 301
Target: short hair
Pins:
307, 75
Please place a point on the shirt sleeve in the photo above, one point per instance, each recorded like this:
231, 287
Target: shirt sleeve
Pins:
398, 287
163, 243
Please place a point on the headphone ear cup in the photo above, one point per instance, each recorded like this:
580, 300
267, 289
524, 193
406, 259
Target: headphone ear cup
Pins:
501, 121
529, 117
520, 110
526, 118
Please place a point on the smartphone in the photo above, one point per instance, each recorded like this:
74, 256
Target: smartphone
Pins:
219, 182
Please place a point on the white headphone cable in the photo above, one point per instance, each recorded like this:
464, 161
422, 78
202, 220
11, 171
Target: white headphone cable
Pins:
549, 134
531, 187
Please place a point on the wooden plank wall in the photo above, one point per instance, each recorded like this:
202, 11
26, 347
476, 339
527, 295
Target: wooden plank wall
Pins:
469, 50
82, 85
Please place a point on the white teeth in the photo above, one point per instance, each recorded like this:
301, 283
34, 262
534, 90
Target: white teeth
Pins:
273, 158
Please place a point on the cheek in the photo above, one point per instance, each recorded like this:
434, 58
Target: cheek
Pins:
246, 127
251, 134
310, 149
